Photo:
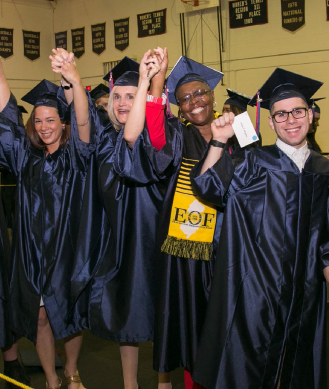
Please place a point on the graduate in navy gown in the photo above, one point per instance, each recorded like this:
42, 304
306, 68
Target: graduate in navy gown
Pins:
12, 367
51, 164
184, 267
123, 287
265, 322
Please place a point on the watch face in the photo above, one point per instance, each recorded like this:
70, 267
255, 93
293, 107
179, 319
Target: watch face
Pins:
66, 87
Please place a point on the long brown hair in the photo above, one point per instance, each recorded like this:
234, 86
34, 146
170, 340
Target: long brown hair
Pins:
34, 137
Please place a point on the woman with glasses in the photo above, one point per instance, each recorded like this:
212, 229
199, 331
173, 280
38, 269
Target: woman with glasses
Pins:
189, 228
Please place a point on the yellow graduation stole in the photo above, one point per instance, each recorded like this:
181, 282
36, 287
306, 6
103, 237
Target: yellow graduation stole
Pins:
192, 220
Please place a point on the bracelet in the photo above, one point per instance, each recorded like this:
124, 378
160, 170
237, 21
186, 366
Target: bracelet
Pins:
66, 87
216, 143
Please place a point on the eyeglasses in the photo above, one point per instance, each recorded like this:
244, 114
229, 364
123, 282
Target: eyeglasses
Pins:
282, 116
197, 95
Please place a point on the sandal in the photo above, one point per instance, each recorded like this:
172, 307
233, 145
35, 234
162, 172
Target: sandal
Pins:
55, 387
75, 378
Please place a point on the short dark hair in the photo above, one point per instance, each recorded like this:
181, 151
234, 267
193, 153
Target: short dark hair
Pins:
34, 137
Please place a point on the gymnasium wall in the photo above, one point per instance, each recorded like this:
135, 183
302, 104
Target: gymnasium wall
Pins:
250, 54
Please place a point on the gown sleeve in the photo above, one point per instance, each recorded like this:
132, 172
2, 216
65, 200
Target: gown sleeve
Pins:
143, 163
225, 178
83, 149
13, 145
155, 120
324, 248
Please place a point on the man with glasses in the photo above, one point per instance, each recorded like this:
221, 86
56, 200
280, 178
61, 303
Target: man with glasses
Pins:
265, 320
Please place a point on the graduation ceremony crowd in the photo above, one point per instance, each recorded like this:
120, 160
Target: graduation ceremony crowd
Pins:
142, 226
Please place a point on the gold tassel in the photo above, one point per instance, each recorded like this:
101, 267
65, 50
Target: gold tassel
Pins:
187, 248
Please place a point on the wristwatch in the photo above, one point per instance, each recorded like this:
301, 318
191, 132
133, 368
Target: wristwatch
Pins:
66, 87
216, 143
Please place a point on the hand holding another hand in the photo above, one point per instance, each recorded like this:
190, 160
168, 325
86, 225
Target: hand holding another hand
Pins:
63, 62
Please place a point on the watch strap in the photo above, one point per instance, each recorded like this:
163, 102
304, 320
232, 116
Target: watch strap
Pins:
216, 143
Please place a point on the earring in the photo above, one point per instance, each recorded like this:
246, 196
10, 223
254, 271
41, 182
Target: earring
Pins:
181, 116
63, 127
214, 104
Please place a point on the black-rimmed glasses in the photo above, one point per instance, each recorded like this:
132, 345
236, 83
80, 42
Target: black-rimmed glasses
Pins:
197, 95
282, 116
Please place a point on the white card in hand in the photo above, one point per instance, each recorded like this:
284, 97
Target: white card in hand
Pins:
244, 129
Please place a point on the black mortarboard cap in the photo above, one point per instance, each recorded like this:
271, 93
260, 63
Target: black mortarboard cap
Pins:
125, 65
45, 93
186, 70
313, 105
98, 92
21, 109
128, 79
237, 99
283, 84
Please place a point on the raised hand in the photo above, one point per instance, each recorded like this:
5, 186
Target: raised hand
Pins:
60, 58
162, 56
221, 127
149, 66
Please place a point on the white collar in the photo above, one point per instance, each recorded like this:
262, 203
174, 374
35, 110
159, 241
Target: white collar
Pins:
290, 150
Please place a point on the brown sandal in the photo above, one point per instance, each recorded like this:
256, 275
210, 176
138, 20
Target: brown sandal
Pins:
55, 387
75, 378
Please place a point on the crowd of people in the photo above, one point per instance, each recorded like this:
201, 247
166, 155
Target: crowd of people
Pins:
142, 226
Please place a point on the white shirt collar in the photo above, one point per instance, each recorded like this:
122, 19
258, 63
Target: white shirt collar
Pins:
299, 156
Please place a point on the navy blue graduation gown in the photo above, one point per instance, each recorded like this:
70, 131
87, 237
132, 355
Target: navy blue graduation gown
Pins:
6, 338
49, 197
183, 285
267, 302
122, 288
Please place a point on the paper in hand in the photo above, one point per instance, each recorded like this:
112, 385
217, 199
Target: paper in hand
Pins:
244, 129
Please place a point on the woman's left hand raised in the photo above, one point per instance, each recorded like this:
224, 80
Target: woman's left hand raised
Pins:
149, 66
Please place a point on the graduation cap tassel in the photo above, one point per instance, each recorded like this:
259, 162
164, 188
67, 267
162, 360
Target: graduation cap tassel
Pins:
313, 111
258, 114
111, 82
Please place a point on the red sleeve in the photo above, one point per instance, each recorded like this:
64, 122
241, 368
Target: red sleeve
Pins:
155, 120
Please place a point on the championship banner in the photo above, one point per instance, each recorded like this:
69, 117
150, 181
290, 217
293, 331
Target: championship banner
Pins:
98, 38
61, 40
121, 34
6, 42
152, 23
247, 13
78, 42
31, 41
293, 14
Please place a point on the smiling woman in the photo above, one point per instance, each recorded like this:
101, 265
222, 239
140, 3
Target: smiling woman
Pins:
120, 102
45, 128
121, 98
51, 165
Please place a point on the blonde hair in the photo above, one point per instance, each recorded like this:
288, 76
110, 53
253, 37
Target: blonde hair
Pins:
116, 124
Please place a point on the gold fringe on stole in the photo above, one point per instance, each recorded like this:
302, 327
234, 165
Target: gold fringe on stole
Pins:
187, 248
